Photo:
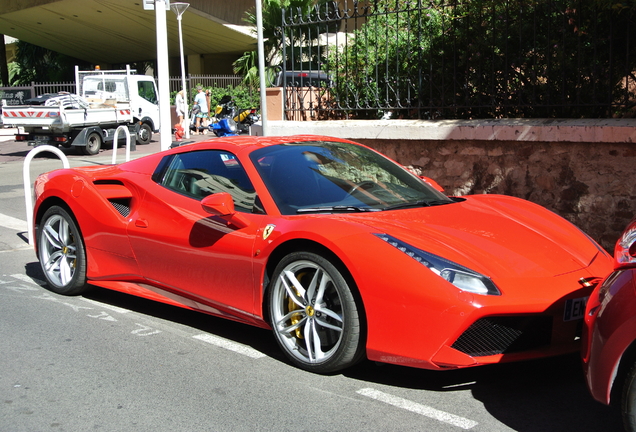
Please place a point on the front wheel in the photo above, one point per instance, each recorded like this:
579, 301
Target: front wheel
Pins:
314, 314
61, 252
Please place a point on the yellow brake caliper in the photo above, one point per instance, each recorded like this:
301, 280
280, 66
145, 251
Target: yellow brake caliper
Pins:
295, 318
74, 263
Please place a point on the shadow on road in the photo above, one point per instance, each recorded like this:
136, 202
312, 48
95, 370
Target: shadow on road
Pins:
533, 396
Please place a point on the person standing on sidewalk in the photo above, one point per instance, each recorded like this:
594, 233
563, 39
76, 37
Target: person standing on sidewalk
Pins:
180, 107
200, 100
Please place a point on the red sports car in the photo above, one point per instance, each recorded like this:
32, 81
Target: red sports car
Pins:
609, 351
341, 251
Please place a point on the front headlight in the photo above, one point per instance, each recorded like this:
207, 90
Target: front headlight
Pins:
462, 277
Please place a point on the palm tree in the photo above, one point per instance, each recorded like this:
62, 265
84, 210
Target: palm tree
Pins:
34, 63
247, 65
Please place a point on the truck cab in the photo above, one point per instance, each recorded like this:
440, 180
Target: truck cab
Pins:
139, 91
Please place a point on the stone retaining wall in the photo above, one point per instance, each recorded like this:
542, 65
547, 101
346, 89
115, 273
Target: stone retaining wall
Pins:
584, 170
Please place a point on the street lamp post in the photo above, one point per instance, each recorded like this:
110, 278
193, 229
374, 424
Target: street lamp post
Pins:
179, 8
261, 65
163, 79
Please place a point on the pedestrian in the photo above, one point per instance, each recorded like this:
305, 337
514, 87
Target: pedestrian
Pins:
180, 107
207, 99
200, 100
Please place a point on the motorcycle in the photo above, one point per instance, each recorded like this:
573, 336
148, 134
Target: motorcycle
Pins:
231, 121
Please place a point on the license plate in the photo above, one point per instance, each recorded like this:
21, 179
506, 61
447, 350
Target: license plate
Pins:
41, 138
574, 309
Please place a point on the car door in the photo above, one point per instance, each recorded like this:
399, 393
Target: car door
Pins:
180, 246
144, 102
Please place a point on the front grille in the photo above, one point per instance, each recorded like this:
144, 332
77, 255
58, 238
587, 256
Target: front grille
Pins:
504, 335
122, 206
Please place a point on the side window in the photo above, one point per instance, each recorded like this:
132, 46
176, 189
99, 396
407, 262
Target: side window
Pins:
201, 173
146, 90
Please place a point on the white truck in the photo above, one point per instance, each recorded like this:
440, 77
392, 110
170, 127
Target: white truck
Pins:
104, 100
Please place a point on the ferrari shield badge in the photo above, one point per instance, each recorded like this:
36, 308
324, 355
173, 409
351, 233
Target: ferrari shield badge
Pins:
268, 230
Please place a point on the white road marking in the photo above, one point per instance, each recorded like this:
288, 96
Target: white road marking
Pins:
16, 249
418, 408
106, 306
103, 316
229, 345
12, 223
144, 330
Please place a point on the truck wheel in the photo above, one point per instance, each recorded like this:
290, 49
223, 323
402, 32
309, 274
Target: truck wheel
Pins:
145, 134
93, 144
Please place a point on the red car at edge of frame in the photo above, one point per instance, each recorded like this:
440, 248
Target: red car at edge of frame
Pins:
339, 250
609, 341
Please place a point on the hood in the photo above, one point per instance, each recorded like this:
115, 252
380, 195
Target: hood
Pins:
494, 235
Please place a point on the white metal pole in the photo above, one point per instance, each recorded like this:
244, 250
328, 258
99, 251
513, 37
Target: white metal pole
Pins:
163, 84
261, 65
186, 98
179, 9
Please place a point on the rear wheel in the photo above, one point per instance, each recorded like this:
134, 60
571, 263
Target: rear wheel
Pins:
93, 144
61, 252
144, 135
314, 314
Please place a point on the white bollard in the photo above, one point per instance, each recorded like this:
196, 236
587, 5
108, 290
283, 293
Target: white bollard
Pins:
26, 177
116, 138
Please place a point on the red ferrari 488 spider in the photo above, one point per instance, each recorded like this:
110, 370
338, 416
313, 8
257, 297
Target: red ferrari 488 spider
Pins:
342, 252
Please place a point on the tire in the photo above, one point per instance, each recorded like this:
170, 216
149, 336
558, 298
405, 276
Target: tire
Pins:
314, 315
93, 144
144, 135
61, 252
628, 402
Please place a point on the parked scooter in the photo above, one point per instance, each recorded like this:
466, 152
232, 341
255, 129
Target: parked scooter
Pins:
229, 120
224, 127
193, 120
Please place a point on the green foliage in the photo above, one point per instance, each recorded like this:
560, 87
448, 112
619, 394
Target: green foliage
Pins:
381, 65
296, 53
34, 63
244, 97
488, 58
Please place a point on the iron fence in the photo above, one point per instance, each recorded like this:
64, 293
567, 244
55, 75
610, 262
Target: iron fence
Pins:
43, 88
462, 59
221, 81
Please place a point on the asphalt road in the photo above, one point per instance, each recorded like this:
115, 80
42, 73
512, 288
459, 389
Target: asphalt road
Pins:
108, 361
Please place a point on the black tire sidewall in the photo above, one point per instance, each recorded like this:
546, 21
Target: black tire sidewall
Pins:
93, 150
351, 346
145, 127
78, 282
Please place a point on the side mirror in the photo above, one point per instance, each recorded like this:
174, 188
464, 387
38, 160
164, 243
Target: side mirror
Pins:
221, 204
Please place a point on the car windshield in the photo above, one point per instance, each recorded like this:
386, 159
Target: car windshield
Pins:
329, 177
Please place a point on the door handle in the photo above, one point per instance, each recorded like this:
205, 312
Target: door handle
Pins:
141, 223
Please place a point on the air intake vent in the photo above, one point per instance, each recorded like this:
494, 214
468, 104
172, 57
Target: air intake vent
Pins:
108, 182
503, 335
122, 206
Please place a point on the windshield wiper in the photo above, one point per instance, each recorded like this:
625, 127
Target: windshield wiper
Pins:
337, 209
421, 203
